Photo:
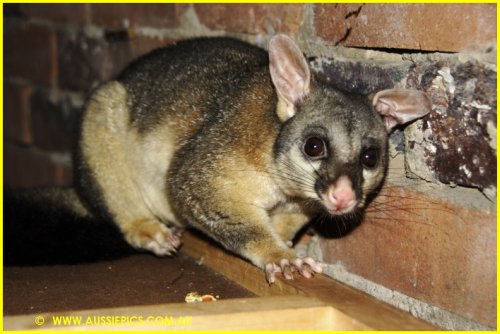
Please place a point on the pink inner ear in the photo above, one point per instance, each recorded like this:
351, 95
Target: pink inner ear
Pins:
399, 106
390, 122
288, 68
382, 106
386, 108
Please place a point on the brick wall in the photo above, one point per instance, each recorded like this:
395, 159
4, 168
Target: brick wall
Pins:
431, 234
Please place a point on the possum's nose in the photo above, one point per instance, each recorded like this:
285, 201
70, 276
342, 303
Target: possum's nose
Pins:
340, 197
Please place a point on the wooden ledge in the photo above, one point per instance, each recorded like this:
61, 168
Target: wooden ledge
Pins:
363, 309
266, 313
319, 303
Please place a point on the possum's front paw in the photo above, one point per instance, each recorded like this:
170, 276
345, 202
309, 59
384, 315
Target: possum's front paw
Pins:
153, 236
305, 266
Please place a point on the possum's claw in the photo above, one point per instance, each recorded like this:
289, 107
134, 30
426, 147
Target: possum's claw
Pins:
271, 269
154, 236
307, 267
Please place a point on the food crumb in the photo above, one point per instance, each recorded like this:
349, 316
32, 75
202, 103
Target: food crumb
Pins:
194, 297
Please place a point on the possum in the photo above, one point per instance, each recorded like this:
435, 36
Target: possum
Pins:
244, 145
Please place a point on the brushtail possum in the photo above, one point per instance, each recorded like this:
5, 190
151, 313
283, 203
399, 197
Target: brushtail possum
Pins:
242, 144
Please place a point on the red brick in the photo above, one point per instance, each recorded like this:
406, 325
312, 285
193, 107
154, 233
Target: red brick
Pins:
30, 52
251, 18
17, 113
25, 168
432, 250
441, 27
148, 15
73, 13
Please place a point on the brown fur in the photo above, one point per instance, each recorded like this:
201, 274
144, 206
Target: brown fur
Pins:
208, 134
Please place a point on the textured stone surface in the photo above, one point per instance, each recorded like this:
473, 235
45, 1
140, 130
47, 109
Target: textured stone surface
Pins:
426, 248
251, 18
444, 27
459, 136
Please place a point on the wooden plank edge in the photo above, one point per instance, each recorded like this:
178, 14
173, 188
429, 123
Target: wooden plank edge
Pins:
361, 307
266, 313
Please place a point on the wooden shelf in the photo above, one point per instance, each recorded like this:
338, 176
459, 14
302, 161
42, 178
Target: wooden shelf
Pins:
319, 303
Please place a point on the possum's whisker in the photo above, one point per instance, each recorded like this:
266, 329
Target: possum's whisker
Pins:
296, 178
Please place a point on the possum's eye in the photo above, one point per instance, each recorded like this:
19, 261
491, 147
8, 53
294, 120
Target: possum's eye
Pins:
315, 147
369, 157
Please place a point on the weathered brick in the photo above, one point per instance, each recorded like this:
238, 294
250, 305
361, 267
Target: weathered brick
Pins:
434, 27
251, 18
61, 13
87, 61
435, 251
20, 59
54, 122
16, 110
27, 167
457, 140
133, 15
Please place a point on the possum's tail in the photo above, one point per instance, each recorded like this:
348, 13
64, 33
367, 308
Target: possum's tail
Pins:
50, 226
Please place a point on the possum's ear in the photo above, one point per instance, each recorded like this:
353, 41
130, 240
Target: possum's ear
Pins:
290, 74
400, 106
